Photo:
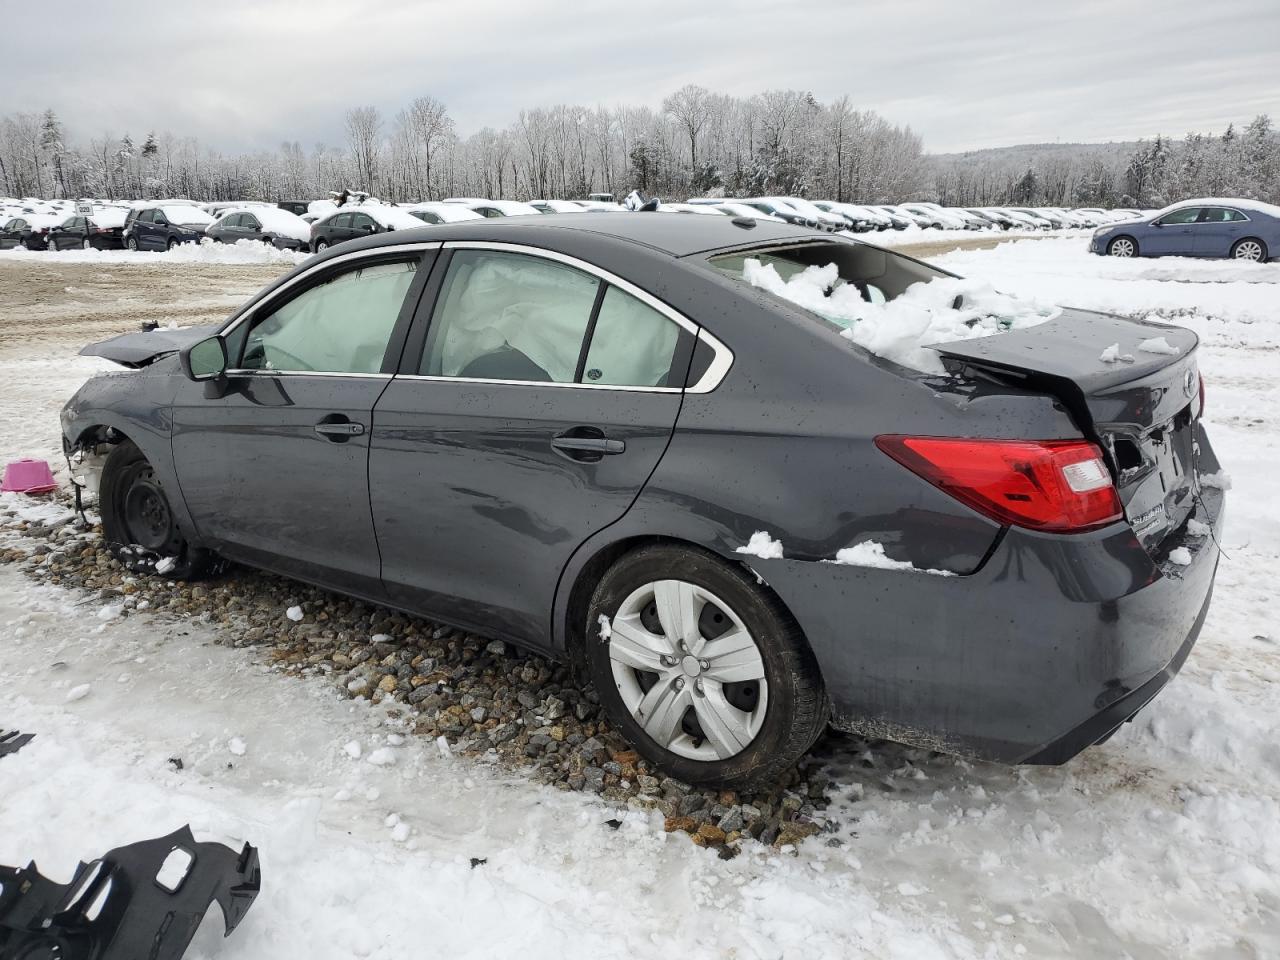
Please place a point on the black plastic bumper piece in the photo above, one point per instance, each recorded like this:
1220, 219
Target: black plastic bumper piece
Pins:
144, 900
11, 741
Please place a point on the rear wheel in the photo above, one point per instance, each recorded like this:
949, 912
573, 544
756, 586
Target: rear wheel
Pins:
1123, 247
138, 522
1249, 248
702, 669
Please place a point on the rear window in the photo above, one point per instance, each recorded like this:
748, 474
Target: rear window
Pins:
878, 275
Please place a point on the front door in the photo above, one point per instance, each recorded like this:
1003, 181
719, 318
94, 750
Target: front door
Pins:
274, 470
1173, 234
542, 401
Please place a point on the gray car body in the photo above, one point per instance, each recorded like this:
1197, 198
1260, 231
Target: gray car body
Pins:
1036, 647
1204, 238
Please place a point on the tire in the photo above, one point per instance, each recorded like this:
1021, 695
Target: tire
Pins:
132, 243
767, 715
172, 245
137, 522
1250, 248
1122, 246
86, 244
321, 246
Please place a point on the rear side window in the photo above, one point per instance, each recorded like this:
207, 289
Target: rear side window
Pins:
1222, 215
509, 316
632, 344
342, 325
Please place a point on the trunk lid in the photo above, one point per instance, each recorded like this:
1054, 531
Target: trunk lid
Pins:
1140, 411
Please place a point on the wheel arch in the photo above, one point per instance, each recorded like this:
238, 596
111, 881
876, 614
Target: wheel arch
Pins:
588, 566
1137, 247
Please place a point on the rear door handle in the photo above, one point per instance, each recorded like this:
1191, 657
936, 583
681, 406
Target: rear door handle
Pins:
587, 444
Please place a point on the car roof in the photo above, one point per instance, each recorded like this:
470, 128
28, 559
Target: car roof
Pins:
677, 234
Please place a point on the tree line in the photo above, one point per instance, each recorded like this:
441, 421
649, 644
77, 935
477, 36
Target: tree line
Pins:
780, 141
1148, 174
697, 143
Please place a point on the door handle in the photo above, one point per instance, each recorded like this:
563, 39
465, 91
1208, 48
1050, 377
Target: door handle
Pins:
587, 444
339, 430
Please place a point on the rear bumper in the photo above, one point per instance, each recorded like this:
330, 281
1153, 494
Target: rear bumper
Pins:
1044, 650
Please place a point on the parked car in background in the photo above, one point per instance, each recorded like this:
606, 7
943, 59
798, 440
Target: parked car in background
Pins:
296, 207
497, 208
734, 208
101, 230
538, 453
350, 222
31, 230
165, 227
1239, 229
557, 206
776, 208
273, 225
935, 215
442, 212
924, 221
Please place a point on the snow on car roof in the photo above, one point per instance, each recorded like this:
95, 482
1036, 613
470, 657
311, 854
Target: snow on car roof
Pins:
109, 217
184, 213
1258, 206
448, 212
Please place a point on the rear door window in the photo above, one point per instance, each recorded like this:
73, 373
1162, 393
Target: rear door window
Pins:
509, 316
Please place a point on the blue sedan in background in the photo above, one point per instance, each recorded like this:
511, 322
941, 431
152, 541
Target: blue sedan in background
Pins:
1240, 229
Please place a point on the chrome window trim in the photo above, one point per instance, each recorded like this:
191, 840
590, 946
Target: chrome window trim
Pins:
715, 372
309, 274
246, 372
534, 383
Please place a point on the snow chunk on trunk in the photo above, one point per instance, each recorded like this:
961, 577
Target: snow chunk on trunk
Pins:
1113, 355
762, 545
941, 310
1181, 556
1158, 345
871, 554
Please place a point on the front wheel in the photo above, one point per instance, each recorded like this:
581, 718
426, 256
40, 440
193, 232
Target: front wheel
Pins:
132, 243
321, 246
173, 244
138, 523
1122, 247
1249, 249
86, 244
702, 669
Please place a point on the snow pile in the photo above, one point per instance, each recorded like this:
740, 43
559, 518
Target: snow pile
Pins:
942, 310
871, 554
1158, 345
763, 546
206, 251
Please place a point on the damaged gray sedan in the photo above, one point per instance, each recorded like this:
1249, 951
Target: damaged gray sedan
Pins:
592, 436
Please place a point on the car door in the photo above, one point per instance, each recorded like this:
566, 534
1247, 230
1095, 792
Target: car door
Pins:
1171, 235
362, 225
542, 400
252, 228
1217, 231
273, 464
340, 228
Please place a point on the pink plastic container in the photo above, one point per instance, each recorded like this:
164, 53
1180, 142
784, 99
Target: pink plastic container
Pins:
28, 476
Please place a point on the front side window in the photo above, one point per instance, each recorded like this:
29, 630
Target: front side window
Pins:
342, 325
1185, 215
509, 316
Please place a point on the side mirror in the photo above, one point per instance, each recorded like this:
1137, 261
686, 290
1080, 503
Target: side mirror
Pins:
1156, 223
206, 360
366, 228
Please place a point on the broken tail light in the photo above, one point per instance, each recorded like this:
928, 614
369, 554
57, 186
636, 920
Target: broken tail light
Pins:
1058, 486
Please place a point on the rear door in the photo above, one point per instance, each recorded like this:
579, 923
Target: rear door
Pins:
1218, 230
274, 466
542, 400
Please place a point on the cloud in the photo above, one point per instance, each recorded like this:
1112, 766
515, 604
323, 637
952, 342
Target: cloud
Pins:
241, 75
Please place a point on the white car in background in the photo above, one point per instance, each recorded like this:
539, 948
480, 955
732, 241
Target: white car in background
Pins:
496, 208
938, 217
735, 209
557, 206
440, 212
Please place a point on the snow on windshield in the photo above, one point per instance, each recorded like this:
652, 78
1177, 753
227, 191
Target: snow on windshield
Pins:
940, 310
181, 213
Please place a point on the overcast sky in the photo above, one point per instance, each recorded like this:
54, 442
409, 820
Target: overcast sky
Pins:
964, 73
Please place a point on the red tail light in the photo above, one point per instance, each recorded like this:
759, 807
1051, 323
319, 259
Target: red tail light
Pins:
1060, 486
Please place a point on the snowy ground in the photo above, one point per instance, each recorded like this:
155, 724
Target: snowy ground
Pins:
1163, 842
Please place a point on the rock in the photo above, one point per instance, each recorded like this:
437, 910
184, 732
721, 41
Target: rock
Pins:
554, 708
732, 821
672, 824
593, 778
690, 802
478, 714
709, 833
387, 683
496, 647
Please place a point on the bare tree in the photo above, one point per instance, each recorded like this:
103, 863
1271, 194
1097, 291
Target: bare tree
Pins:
364, 127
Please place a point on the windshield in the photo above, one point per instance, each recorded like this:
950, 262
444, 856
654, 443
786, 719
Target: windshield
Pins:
180, 213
